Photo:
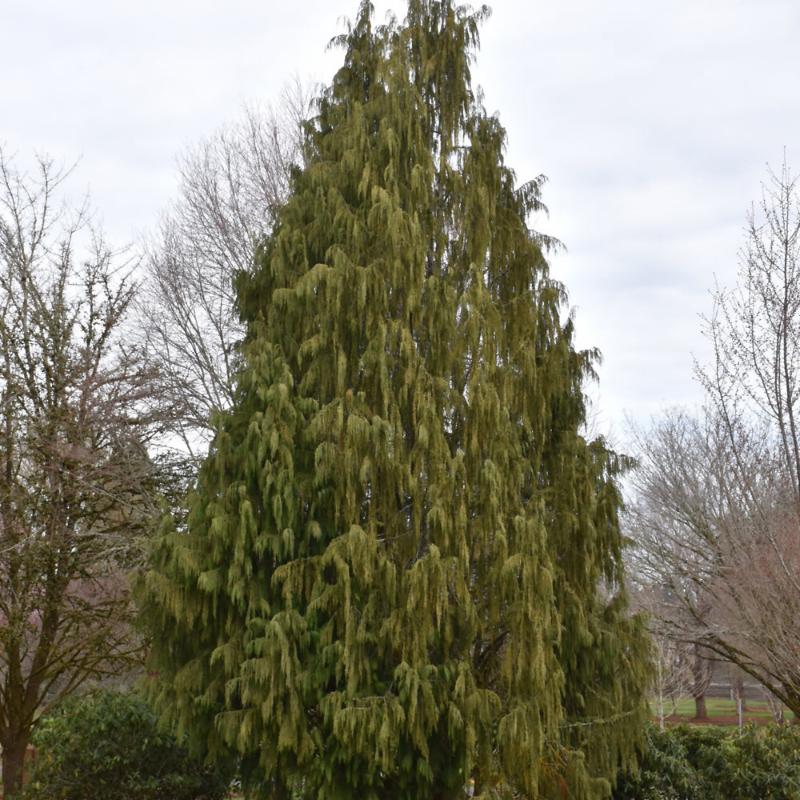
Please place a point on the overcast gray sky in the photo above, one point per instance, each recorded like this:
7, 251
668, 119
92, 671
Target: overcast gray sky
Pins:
653, 121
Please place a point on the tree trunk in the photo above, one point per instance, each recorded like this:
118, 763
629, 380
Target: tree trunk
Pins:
700, 707
13, 764
700, 681
740, 691
793, 704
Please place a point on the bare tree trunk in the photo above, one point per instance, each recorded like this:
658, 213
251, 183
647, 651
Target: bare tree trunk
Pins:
14, 748
700, 711
775, 706
659, 672
740, 711
739, 690
701, 675
793, 702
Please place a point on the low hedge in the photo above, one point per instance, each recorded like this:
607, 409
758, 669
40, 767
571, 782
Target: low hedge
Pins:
107, 746
712, 763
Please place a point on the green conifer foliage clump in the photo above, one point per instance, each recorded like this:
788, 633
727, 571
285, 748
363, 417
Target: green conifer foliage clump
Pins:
401, 572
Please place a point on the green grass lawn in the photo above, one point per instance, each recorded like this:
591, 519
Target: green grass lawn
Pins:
720, 710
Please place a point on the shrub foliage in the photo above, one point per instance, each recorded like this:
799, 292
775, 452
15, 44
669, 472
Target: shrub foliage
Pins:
706, 763
107, 746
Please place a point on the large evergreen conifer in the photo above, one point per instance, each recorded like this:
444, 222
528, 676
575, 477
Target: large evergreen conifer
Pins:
402, 569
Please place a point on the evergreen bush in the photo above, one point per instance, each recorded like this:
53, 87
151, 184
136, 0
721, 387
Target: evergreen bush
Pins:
707, 763
107, 746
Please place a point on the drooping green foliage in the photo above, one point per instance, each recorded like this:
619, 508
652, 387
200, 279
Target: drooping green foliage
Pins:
402, 568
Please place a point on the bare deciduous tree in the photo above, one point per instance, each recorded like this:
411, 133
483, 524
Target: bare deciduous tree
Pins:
754, 329
717, 512
682, 666
714, 525
672, 675
76, 482
230, 187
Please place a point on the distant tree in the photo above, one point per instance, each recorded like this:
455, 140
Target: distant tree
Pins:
76, 481
753, 382
702, 666
403, 568
682, 667
673, 674
231, 186
717, 513
725, 562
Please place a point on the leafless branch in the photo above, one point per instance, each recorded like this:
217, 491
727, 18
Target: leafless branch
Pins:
231, 186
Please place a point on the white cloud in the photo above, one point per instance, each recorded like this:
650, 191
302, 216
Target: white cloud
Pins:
653, 121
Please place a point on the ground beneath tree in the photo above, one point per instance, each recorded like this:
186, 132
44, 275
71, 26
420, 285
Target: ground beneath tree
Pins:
722, 712
732, 720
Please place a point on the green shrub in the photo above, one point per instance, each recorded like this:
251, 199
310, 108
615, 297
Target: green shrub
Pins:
707, 763
761, 763
664, 774
106, 746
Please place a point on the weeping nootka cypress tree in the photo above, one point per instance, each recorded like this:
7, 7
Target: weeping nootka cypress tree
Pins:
401, 571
